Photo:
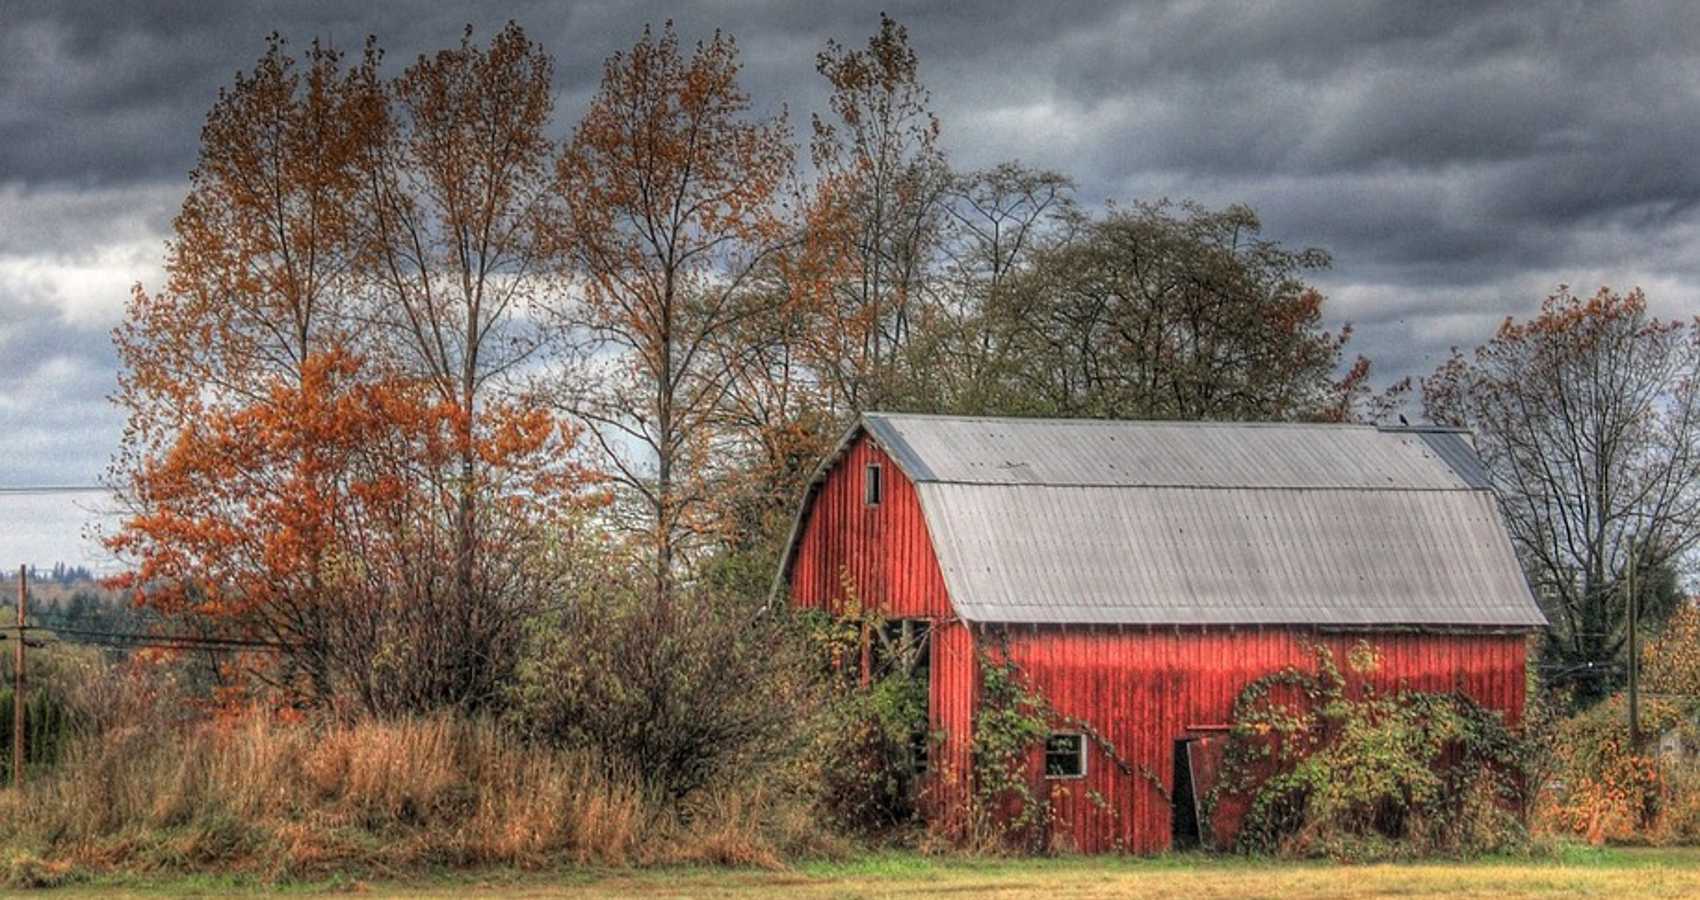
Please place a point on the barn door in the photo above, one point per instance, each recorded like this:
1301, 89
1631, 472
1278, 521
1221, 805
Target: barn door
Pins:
902, 649
1198, 765
1186, 813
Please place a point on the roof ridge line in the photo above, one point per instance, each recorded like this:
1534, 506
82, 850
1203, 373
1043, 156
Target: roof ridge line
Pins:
1466, 488
1212, 423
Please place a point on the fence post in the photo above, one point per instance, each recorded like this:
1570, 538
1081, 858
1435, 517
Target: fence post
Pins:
1634, 659
18, 684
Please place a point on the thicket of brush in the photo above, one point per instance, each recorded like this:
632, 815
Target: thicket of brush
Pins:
1321, 765
287, 800
633, 733
1595, 784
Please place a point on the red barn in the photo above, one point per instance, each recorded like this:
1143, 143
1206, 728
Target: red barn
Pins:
1141, 573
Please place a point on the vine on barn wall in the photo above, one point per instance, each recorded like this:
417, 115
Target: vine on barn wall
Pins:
1011, 722
1334, 771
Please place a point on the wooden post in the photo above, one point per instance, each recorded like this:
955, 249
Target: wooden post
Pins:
1634, 661
867, 661
18, 684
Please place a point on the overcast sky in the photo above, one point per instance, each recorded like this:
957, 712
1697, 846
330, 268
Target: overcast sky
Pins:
1458, 159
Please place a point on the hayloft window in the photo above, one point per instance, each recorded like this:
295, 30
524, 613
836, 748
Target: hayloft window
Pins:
872, 485
1065, 755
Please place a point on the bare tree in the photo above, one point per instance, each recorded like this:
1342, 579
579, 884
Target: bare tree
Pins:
997, 221
1588, 417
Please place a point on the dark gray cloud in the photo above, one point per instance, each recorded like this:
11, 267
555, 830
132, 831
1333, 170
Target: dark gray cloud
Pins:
1458, 158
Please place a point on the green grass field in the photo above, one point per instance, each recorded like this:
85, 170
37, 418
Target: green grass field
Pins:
1576, 873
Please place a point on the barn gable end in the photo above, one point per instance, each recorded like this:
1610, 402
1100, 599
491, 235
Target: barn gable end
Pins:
883, 555
880, 552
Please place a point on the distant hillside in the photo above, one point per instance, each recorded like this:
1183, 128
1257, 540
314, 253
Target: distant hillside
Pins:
69, 596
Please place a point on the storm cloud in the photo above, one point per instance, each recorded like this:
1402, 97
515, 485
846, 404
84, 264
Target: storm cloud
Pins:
1458, 159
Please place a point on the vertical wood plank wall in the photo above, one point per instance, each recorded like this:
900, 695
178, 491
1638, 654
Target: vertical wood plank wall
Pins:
884, 550
886, 555
1141, 689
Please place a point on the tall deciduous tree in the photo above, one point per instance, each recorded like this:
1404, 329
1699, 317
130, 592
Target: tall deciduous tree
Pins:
260, 281
316, 454
882, 179
998, 222
673, 195
1150, 314
260, 268
314, 521
462, 217
1588, 417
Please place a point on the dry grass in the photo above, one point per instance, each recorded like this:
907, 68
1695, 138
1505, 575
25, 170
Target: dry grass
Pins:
293, 801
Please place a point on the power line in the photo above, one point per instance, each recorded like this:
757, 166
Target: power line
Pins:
142, 644
241, 643
49, 489
128, 639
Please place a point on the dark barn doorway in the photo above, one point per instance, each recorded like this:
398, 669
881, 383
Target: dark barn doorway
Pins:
1184, 817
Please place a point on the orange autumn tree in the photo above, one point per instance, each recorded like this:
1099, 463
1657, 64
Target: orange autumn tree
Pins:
298, 468
461, 224
673, 200
260, 268
322, 520
1670, 662
257, 278
841, 301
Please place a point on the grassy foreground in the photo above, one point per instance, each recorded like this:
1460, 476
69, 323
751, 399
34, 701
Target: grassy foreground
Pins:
1578, 873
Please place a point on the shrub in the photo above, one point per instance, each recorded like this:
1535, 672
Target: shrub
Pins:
1603, 790
1349, 773
47, 729
1670, 662
869, 748
865, 765
53, 707
1678, 820
684, 691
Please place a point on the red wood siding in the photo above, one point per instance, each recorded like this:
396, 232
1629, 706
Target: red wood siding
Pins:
951, 719
887, 556
1142, 690
884, 550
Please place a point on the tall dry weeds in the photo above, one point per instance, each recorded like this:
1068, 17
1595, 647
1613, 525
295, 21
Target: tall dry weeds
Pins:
289, 799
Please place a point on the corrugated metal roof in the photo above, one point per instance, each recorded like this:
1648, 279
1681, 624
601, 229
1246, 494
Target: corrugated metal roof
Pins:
1166, 454
1035, 553
1084, 521
1455, 448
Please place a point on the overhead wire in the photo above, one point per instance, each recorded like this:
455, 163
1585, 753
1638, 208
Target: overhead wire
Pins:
143, 639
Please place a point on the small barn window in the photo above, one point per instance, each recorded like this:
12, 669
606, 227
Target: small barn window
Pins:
871, 486
1065, 755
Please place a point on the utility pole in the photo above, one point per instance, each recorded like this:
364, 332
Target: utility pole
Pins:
18, 684
1634, 658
